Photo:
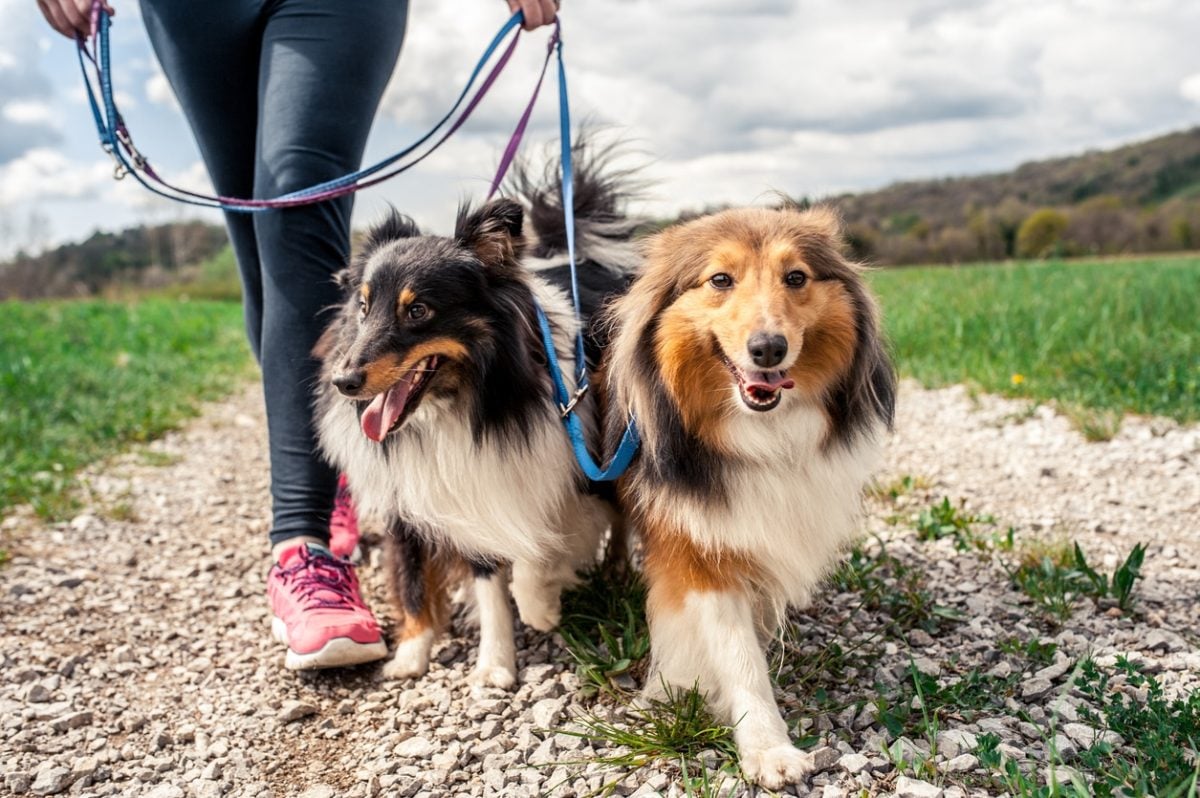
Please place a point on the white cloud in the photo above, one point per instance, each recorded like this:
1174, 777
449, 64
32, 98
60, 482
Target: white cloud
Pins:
29, 112
158, 89
1189, 88
47, 174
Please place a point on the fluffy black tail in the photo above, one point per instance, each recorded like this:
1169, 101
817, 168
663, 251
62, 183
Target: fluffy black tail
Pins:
604, 232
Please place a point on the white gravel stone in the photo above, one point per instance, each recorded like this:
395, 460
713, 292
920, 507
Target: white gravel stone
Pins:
51, 781
915, 788
853, 763
415, 748
295, 710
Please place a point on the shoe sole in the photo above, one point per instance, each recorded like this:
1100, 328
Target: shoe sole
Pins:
339, 652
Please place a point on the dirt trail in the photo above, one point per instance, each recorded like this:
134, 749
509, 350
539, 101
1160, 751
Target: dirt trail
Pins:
136, 657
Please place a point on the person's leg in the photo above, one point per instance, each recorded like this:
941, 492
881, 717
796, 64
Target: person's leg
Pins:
323, 69
219, 96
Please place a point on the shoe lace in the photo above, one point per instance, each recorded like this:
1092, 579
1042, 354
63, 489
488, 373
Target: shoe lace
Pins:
321, 581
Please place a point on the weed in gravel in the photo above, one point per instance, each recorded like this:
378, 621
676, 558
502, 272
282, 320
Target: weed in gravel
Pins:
900, 486
889, 585
1160, 752
676, 728
604, 629
1009, 777
944, 520
1056, 575
1034, 651
1096, 426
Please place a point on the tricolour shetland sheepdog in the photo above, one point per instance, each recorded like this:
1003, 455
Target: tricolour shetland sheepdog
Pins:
749, 352
436, 403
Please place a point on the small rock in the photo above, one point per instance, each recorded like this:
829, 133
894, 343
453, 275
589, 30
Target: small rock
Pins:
953, 742
83, 767
927, 666
295, 710
205, 788
17, 782
414, 748
545, 712
963, 763
71, 721
51, 781
1085, 736
915, 788
1036, 687
37, 693
853, 763
1061, 774
824, 758
833, 791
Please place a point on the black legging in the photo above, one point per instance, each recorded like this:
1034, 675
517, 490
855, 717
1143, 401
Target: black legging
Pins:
280, 94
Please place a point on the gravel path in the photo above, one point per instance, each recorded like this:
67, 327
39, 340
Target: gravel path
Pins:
136, 658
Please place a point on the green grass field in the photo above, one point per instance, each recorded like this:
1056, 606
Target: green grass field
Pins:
81, 380
1120, 336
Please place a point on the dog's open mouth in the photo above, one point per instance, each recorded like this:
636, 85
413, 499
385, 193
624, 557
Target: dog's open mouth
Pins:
387, 411
760, 390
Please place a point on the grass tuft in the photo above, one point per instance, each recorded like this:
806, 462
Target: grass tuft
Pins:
676, 728
605, 632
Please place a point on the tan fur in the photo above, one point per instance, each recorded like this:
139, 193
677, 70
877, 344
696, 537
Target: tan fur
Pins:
441, 572
390, 369
406, 298
674, 566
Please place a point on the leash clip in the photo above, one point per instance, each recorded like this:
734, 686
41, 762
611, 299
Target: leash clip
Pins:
569, 407
139, 161
119, 170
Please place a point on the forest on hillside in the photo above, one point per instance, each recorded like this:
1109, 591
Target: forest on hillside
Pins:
1143, 197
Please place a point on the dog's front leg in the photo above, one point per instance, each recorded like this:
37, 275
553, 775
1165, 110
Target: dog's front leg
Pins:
497, 663
703, 634
417, 594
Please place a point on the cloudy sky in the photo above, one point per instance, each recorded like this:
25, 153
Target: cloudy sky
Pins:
722, 100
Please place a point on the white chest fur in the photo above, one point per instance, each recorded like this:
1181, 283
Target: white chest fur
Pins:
791, 506
501, 499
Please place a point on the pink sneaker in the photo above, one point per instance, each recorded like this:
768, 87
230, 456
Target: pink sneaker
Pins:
343, 524
318, 611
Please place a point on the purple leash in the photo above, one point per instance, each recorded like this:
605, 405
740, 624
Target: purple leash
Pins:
117, 141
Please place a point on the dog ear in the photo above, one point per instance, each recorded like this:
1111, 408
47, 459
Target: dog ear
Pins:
348, 278
493, 232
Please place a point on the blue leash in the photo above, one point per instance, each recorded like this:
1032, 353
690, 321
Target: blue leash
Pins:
629, 440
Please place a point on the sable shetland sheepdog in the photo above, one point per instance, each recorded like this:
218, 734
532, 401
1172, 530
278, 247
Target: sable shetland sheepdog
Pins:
749, 352
436, 403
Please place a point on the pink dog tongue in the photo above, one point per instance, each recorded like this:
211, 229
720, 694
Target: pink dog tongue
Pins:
385, 408
769, 380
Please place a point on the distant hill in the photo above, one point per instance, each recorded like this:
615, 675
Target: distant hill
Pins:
143, 257
1139, 197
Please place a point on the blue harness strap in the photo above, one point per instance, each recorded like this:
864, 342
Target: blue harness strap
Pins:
630, 441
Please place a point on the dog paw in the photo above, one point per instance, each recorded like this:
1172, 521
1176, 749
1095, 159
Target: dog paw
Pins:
776, 767
411, 659
485, 675
542, 614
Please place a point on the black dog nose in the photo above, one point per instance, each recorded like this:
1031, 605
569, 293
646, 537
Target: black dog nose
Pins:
351, 380
767, 350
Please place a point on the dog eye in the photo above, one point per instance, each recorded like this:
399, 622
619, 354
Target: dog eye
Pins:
362, 307
720, 281
796, 278
418, 311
